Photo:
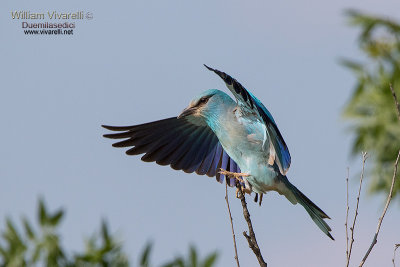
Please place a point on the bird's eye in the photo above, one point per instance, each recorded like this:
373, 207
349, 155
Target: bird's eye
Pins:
203, 100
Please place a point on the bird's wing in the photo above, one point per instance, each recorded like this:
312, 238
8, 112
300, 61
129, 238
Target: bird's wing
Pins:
180, 143
250, 104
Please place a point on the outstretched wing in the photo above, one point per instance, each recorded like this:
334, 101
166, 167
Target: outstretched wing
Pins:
180, 143
249, 103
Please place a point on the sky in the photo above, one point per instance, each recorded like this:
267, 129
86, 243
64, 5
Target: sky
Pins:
140, 61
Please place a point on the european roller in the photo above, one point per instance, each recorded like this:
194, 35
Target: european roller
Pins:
217, 136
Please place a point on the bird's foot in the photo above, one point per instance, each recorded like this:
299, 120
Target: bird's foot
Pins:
244, 190
235, 175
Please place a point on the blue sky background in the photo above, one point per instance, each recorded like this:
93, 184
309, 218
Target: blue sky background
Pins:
139, 61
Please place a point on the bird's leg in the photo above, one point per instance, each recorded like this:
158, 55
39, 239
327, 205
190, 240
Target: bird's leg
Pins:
235, 175
256, 198
261, 197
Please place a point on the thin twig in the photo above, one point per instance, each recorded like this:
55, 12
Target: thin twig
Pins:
395, 101
374, 240
347, 214
230, 218
252, 238
396, 246
364, 158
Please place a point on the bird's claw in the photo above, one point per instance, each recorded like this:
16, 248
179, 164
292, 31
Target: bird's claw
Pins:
244, 190
237, 176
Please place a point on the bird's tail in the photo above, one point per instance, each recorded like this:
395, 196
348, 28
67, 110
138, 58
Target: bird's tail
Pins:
294, 195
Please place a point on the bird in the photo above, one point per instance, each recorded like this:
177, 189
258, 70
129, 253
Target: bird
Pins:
217, 136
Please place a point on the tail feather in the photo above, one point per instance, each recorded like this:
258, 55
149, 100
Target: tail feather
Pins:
316, 214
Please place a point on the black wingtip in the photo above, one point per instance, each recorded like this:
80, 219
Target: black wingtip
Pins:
118, 128
111, 128
209, 68
114, 128
221, 74
330, 236
110, 136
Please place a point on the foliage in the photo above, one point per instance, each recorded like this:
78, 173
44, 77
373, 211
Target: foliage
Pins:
102, 251
43, 247
33, 247
193, 260
371, 108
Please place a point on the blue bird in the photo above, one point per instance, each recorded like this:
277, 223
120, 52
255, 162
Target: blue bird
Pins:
219, 137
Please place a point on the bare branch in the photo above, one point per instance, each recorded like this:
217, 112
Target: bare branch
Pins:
389, 198
374, 240
364, 158
347, 214
252, 238
230, 218
395, 101
396, 246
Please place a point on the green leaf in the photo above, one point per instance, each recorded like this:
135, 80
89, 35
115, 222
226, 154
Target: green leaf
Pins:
55, 219
193, 256
42, 214
357, 67
177, 262
36, 253
210, 260
104, 232
28, 229
145, 257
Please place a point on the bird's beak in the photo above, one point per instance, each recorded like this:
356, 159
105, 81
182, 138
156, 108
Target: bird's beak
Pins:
186, 112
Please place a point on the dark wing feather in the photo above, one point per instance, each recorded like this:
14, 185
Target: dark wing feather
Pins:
249, 103
178, 143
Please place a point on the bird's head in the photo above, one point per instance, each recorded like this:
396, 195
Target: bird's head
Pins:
204, 104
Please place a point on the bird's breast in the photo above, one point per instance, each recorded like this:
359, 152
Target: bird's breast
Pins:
245, 140
246, 143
